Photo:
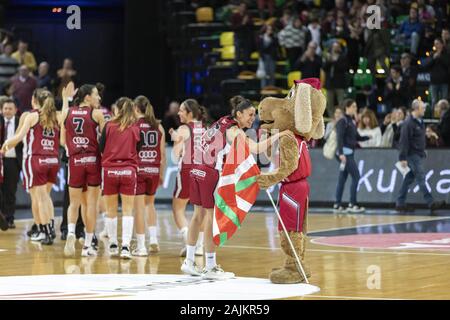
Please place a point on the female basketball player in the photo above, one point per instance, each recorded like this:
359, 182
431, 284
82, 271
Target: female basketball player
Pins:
192, 117
41, 149
120, 144
79, 135
152, 160
215, 144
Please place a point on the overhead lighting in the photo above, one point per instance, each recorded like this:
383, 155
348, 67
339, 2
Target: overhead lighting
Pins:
367, 70
359, 71
380, 99
427, 92
351, 71
381, 71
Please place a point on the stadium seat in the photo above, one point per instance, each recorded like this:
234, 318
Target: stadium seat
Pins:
254, 55
228, 53
292, 76
204, 14
227, 39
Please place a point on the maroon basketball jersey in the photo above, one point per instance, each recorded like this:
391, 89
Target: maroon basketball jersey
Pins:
107, 114
150, 154
192, 146
303, 170
120, 146
41, 142
81, 131
214, 144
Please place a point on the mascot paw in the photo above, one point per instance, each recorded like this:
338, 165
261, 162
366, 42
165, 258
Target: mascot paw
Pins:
263, 182
287, 276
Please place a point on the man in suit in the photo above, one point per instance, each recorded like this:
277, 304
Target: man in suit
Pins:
12, 160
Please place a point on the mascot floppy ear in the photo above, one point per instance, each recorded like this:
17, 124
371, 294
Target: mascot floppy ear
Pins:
303, 113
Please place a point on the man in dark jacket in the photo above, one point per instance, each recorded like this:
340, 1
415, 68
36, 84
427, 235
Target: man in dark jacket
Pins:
444, 124
412, 154
396, 91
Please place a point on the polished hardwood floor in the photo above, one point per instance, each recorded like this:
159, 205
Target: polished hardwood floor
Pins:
342, 272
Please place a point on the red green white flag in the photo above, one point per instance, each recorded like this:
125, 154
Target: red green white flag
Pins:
236, 191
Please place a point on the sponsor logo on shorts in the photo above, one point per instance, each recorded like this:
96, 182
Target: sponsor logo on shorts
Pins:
151, 170
86, 160
120, 172
198, 173
80, 141
149, 154
47, 144
48, 161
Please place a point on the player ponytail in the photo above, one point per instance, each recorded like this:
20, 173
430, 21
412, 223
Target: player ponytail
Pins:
47, 108
239, 103
199, 112
146, 108
83, 91
126, 115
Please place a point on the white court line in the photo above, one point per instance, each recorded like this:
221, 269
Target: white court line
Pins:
334, 251
356, 298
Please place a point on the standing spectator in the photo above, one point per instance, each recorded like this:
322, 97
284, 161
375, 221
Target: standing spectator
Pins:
391, 128
23, 56
396, 90
432, 138
65, 75
354, 42
268, 50
377, 47
444, 123
314, 29
412, 155
446, 38
294, 38
369, 127
12, 160
411, 30
8, 65
309, 63
338, 114
347, 139
336, 68
23, 86
171, 120
241, 23
262, 4
409, 74
44, 80
438, 66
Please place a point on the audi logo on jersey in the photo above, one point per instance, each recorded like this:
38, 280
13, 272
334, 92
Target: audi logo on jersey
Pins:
47, 144
150, 154
80, 141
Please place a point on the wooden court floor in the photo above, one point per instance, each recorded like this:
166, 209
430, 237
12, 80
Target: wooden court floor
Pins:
341, 272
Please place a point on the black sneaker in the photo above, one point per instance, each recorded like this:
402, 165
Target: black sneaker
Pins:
3, 222
52, 229
48, 241
80, 234
94, 242
64, 235
33, 230
11, 225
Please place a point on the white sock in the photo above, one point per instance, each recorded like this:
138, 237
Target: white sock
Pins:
88, 240
140, 240
127, 230
200, 239
184, 233
152, 233
111, 227
210, 260
71, 228
190, 252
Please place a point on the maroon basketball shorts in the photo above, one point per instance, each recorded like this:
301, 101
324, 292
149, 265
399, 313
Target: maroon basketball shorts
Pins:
84, 170
203, 186
182, 184
293, 201
40, 170
147, 180
119, 180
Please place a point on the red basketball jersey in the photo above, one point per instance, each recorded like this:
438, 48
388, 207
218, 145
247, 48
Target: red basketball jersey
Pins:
107, 114
120, 146
303, 170
41, 142
150, 153
192, 146
81, 131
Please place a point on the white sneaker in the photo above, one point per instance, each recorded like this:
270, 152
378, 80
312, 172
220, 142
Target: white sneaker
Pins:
113, 250
38, 236
217, 273
103, 234
353, 208
88, 252
338, 209
191, 268
142, 252
125, 252
69, 248
153, 248
199, 250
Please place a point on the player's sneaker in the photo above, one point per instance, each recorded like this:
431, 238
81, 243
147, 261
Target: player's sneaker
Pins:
69, 248
89, 252
337, 208
34, 229
38, 236
141, 252
113, 250
354, 208
217, 273
48, 239
191, 268
199, 250
125, 252
153, 248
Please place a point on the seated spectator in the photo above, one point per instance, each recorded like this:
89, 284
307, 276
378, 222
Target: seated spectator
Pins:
268, 49
336, 68
25, 57
8, 65
338, 113
369, 127
438, 66
432, 138
444, 123
294, 38
396, 90
23, 86
65, 75
44, 80
409, 74
241, 24
309, 64
411, 30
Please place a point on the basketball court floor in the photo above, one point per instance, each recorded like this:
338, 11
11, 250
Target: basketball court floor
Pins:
377, 255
